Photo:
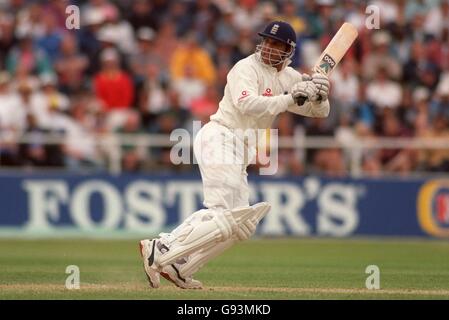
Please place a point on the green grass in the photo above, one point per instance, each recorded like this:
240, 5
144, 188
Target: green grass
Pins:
257, 269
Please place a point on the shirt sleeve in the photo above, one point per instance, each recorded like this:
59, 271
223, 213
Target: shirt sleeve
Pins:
243, 88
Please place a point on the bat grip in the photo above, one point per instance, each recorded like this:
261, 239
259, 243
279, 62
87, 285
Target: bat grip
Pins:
301, 100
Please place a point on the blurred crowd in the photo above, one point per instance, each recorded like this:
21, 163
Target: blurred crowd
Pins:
151, 66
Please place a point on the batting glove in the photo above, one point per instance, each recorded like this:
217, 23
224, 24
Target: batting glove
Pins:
306, 77
322, 83
301, 91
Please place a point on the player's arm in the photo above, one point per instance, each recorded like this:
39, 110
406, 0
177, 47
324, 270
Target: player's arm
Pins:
243, 88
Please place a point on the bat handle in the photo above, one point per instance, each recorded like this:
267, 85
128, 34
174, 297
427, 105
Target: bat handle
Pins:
301, 100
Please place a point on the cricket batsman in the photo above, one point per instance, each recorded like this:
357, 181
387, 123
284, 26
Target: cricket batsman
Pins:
259, 87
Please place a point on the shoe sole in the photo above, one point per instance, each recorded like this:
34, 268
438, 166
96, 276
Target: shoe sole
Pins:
169, 278
149, 272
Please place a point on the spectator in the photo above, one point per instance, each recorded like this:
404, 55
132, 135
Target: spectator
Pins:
48, 100
401, 45
34, 151
383, 92
406, 111
419, 70
107, 40
436, 160
314, 24
144, 55
417, 7
290, 15
80, 147
247, 15
380, 57
29, 104
371, 166
389, 11
143, 15
166, 123
188, 87
12, 123
205, 105
205, 15
132, 155
440, 105
89, 43
355, 13
345, 85
57, 9
114, 87
51, 38
29, 20
268, 11
7, 36
71, 66
329, 162
190, 54
245, 44
345, 133
225, 30
391, 127
437, 19
12, 115
119, 31
105, 7
152, 98
365, 111
178, 110
27, 56
166, 45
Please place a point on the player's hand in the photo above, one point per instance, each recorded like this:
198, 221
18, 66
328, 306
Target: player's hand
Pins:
302, 91
322, 83
306, 77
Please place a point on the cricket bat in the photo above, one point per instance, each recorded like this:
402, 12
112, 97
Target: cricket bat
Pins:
334, 51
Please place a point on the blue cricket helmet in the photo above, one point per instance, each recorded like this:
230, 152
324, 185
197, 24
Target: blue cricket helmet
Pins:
281, 31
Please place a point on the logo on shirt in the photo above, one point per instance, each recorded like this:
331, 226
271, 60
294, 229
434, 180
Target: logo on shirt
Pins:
267, 93
274, 29
244, 94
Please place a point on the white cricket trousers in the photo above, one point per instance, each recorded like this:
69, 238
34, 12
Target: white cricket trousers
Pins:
221, 154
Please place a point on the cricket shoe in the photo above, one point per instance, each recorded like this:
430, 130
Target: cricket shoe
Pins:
150, 252
171, 273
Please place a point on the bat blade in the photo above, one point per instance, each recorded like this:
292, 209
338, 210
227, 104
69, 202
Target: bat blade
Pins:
334, 52
336, 49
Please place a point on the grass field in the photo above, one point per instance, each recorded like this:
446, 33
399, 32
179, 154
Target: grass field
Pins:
257, 269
